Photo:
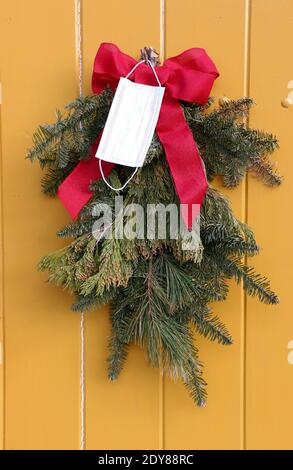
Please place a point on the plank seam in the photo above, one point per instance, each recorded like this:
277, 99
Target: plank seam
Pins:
161, 375
162, 29
246, 92
78, 46
79, 70
2, 325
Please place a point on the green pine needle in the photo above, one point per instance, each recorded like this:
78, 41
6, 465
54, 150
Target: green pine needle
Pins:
159, 294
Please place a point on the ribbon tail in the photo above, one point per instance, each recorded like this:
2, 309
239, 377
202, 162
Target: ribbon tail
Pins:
74, 191
183, 158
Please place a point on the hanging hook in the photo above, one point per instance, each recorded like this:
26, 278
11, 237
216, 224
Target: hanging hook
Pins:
149, 54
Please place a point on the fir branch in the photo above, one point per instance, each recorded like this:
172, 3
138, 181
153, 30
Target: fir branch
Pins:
84, 303
211, 327
117, 357
234, 109
263, 169
158, 291
236, 245
253, 283
194, 381
77, 131
54, 177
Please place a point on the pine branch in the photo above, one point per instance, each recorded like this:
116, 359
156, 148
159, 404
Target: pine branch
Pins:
54, 177
77, 131
159, 292
234, 109
235, 245
117, 357
194, 381
84, 303
211, 327
253, 283
263, 169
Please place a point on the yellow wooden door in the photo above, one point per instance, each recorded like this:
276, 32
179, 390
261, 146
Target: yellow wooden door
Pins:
250, 382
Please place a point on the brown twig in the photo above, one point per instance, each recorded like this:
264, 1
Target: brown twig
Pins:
150, 54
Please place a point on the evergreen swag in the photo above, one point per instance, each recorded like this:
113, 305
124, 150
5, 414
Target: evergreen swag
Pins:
159, 294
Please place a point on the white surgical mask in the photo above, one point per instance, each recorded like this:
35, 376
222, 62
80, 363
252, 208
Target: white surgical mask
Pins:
131, 123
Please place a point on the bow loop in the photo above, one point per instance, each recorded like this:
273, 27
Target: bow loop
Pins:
188, 76
109, 65
192, 76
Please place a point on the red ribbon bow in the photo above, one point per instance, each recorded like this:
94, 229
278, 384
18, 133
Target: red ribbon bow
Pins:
189, 77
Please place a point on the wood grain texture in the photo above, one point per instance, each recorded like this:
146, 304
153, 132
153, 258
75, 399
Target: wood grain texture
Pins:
2, 404
218, 26
249, 383
41, 334
269, 329
124, 414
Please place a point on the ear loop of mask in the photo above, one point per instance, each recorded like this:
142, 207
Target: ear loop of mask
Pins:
136, 169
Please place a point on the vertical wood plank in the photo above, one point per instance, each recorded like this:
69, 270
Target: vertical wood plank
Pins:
38, 73
41, 334
269, 329
218, 26
1, 289
123, 414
